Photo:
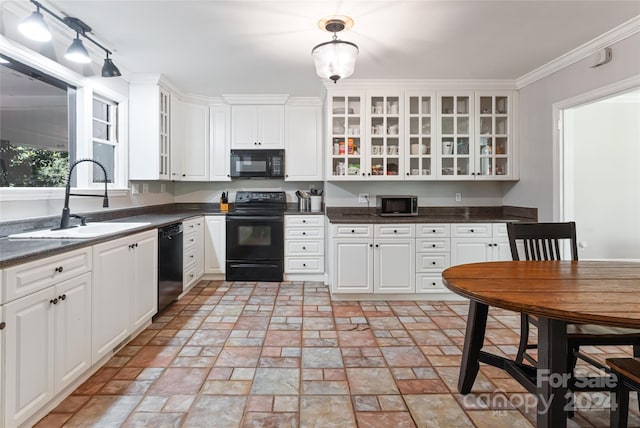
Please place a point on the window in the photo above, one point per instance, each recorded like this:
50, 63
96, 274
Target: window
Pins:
104, 137
37, 127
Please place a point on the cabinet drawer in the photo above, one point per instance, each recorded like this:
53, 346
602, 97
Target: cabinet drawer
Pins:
392, 230
426, 262
304, 220
346, 230
27, 278
189, 240
303, 264
189, 276
476, 230
304, 233
304, 248
190, 256
429, 283
500, 230
424, 230
192, 224
430, 245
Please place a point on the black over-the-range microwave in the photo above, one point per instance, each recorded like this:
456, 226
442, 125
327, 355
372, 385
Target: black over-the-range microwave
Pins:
257, 163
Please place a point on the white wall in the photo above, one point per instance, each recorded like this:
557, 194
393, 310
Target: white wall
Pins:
535, 187
606, 178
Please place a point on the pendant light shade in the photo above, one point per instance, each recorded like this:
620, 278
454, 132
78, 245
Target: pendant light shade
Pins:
77, 52
109, 69
335, 59
34, 27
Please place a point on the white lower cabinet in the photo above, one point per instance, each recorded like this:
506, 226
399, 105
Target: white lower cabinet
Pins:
368, 259
215, 244
193, 251
304, 244
433, 255
47, 343
125, 289
479, 242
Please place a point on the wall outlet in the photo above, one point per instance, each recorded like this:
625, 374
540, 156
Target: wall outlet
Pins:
363, 198
458, 197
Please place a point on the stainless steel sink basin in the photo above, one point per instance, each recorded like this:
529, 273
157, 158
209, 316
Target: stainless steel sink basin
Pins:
91, 230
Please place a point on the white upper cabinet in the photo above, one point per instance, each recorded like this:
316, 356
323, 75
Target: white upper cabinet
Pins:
220, 144
419, 136
346, 148
455, 113
257, 127
149, 132
195, 149
303, 142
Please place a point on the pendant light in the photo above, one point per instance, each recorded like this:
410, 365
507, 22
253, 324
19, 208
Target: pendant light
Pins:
77, 52
35, 28
335, 59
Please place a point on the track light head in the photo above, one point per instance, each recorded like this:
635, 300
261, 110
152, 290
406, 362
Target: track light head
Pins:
109, 69
77, 52
35, 28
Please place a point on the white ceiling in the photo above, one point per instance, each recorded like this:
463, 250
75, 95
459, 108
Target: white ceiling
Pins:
211, 47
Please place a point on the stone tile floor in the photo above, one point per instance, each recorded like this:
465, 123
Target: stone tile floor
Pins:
286, 355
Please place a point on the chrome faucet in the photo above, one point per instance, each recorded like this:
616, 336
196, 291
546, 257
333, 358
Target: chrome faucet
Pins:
64, 221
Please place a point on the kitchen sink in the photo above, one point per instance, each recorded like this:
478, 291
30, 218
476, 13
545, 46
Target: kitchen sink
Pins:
91, 230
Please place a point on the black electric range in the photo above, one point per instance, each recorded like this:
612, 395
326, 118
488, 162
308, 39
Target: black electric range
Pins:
255, 237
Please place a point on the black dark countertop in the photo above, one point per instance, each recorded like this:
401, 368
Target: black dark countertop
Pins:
498, 214
15, 251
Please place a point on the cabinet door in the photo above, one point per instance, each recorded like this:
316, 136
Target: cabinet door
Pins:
215, 244
72, 329
346, 148
144, 279
271, 127
195, 150
29, 377
494, 136
110, 296
220, 143
501, 250
244, 130
471, 250
352, 266
420, 131
303, 143
385, 128
454, 149
177, 138
394, 268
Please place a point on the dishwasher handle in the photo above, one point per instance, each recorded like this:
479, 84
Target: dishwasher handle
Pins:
170, 231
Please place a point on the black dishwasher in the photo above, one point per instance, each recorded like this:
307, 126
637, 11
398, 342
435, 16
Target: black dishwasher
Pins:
169, 264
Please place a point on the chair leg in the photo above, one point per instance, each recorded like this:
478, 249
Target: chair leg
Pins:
524, 338
572, 359
619, 407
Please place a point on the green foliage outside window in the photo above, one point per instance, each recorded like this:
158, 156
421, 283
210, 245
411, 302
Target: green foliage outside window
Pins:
28, 167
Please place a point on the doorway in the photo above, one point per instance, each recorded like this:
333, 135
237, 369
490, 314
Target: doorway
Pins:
599, 163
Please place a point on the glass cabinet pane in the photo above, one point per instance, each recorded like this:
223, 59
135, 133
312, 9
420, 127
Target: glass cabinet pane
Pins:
447, 105
463, 125
502, 106
462, 105
486, 105
447, 125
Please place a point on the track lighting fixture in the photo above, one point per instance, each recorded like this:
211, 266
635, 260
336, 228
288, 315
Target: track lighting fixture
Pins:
35, 28
335, 59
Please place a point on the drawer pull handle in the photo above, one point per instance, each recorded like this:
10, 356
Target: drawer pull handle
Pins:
353, 231
191, 276
191, 226
433, 283
433, 245
395, 231
304, 248
304, 233
304, 221
191, 256
471, 230
53, 301
304, 264
433, 231
2, 325
59, 269
63, 297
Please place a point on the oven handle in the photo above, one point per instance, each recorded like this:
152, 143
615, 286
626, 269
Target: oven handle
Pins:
276, 218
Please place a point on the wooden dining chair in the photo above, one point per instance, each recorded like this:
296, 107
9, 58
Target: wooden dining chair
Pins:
627, 372
545, 241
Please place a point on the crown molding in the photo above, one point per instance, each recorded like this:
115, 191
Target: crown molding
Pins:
420, 84
304, 101
607, 39
255, 98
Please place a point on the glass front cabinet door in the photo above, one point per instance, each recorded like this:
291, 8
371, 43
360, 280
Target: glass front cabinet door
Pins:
419, 136
455, 111
385, 148
494, 134
347, 151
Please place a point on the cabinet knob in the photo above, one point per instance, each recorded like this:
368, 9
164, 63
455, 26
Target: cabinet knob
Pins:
304, 264
395, 231
184, 175
471, 230
53, 301
433, 230
304, 221
190, 240
63, 297
304, 233
433, 263
369, 174
370, 245
377, 245
407, 173
353, 231
433, 245
2, 325
433, 283
136, 245
191, 226
304, 248
191, 276
363, 174
191, 255
59, 269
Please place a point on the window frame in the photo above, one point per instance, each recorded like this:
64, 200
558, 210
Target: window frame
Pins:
86, 87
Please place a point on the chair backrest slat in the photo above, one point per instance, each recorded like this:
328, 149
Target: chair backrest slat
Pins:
541, 241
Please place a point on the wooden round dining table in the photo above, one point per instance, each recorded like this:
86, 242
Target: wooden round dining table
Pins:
558, 292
